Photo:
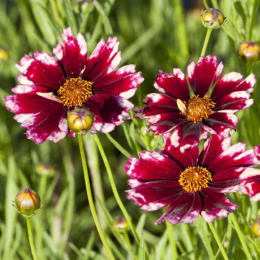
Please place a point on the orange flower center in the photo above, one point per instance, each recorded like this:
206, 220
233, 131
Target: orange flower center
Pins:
196, 108
74, 92
194, 179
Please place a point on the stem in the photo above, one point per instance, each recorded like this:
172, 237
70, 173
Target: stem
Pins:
171, 239
240, 236
205, 4
30, 236
213, 230
90, 198
114, 189
206, 41
118, 146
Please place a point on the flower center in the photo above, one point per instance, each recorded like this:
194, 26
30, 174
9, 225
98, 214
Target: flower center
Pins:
196, 108
194, 179
74, 92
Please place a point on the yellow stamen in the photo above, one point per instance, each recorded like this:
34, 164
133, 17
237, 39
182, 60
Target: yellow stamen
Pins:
74, 92
194, 179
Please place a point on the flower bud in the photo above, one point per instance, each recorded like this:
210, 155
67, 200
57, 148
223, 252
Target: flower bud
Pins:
256, 228
80, 120
27, 202
249, 51
212, 18
120, 224
45, 169
4, 55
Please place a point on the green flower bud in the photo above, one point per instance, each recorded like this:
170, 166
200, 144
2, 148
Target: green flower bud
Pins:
45, 169
27, 202
120, 224
4, 55
80, 120
249, 51
212, 18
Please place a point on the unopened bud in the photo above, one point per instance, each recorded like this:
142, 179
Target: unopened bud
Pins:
249, 51
120, 224
27, 202
212, 18
256, 228
80, 120
45, 169
4, 55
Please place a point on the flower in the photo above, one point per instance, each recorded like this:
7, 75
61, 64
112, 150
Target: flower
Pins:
250, 179
50, 86
203, 103
188, 182
212, 18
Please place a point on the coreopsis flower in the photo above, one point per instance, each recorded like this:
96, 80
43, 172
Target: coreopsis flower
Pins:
189, 182
52, 85
250, 179
203, 103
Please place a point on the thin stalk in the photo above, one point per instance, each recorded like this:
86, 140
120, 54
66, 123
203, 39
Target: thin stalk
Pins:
240, 236
205, 4
30, 236
206, 41
114, 189
169, 227
222, 250
90, 198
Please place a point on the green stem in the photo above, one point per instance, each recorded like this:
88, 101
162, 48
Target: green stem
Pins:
205, 4
90, 198
206, 41
118, 146
30, 236
114, 189
171, 239
213, 230
240, 236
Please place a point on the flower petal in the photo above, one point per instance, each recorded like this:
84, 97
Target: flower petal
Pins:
109, 111
174, 84
42, 70
232, 82
184, 209
103, 60
204, 75
122, 82
152, 166
215, 205
185, 157
250, 183
73, 55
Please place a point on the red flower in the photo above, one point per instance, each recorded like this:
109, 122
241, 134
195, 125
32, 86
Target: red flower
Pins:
188, 182
191, 114
250, 179
52, 85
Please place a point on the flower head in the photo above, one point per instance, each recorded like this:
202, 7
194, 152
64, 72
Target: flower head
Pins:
52, 85
188, 182
203, 103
